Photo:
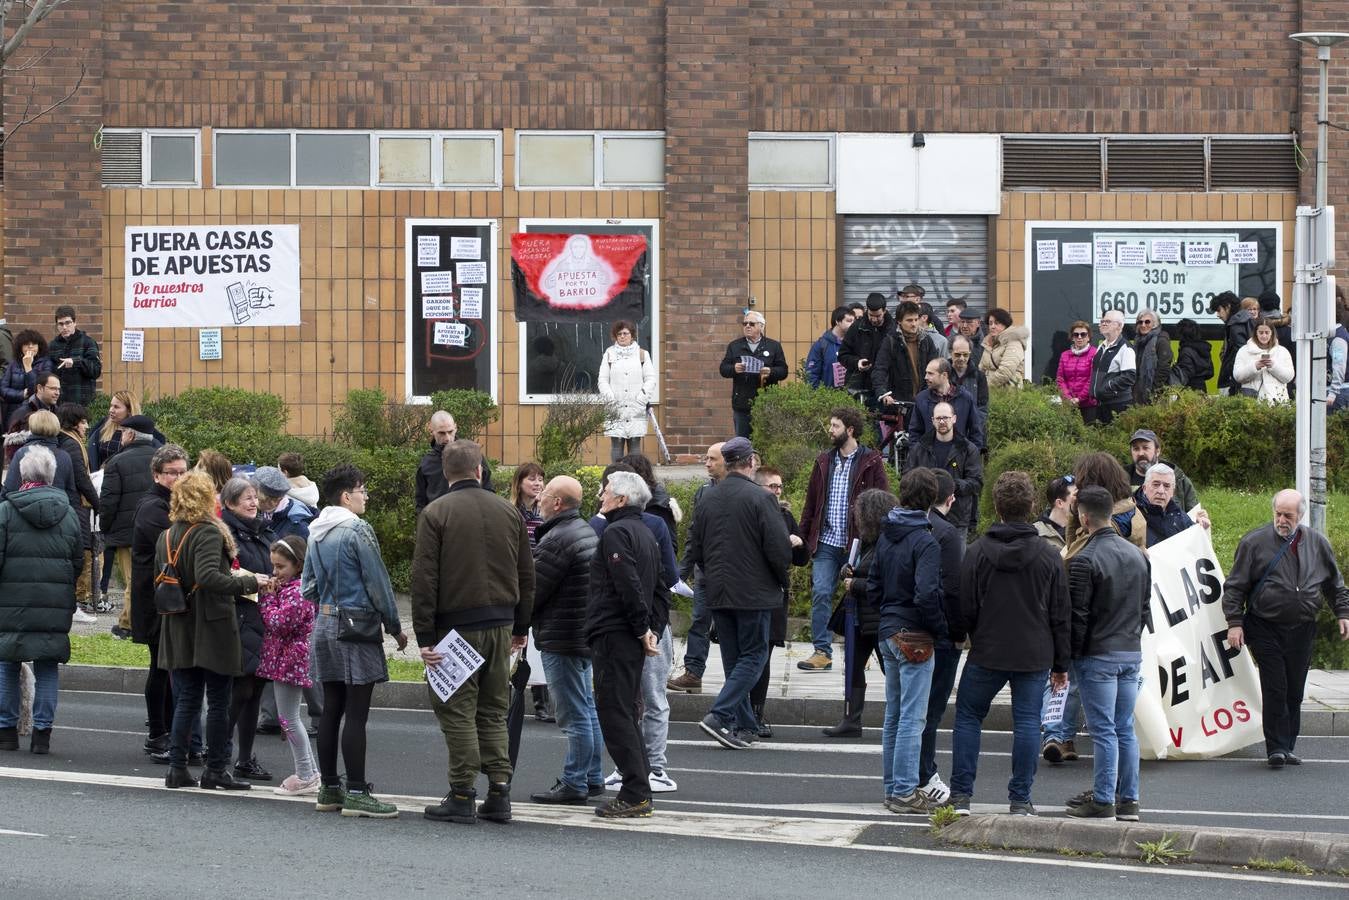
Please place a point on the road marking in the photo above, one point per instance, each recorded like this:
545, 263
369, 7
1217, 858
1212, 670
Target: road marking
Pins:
10, 833
803, 832
98, 730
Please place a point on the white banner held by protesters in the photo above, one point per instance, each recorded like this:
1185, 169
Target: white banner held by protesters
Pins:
1200, 698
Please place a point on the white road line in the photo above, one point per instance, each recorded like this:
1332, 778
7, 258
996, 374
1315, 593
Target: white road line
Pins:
6, 832
801, 832
98, 730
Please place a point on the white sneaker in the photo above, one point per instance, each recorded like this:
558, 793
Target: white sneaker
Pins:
935, 790
614, 781
661, 782
83, 617
294, 787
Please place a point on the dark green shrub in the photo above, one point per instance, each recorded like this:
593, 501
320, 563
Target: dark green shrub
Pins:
791, 426
1043, 460
369, 420
473, 411
244, 425
1030, 414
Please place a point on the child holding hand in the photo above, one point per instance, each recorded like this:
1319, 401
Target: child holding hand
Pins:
289, 619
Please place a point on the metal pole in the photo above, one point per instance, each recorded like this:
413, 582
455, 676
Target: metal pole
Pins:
1322, 120
1318, 303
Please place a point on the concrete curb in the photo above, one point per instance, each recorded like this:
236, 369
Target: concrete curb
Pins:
1213, 846
1317, 721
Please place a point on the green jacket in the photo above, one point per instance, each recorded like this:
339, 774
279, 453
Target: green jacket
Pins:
207, 635
41, 550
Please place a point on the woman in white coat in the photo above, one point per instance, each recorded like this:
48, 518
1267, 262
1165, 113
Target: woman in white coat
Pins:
1263, 367
628, 380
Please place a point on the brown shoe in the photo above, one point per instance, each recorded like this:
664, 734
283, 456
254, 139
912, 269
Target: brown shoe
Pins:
1052, 751
1069, 752
686, 683
818, 662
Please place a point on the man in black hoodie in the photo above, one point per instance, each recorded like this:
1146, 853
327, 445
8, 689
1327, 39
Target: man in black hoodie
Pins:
951, 540
1014, 607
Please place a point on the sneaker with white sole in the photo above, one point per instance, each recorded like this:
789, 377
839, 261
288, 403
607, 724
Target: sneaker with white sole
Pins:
614, 782
83, 617
660, 781
294, 787
935, 790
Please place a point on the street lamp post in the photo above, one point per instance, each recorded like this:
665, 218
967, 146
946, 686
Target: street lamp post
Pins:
1313, 301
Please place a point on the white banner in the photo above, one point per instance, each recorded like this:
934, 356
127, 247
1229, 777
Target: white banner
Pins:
204, 276
1174, 274
1200, 698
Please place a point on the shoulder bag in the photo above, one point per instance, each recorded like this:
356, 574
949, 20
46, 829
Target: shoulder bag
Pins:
169, 597
361, 625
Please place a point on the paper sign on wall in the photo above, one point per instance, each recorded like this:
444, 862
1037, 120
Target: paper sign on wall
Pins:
472, 273
465, 248
1105, 254
1166, 251
209, 343
437, 282
1046, 256
428, 250
450, 334
1244, 252
1199, 254
133, 346
1131, 256
437, 307
470, 300
1076, 253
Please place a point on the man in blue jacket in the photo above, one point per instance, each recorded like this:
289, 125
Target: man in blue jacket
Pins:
820, 371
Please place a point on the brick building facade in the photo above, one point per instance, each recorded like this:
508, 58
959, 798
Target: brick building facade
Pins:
705, 73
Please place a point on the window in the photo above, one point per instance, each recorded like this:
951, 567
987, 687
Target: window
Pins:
252, 159
150, 158
791, 161
590, 160
405, 160
470, 161
332, 159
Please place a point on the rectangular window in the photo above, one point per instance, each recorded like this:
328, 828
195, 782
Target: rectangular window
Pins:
173, 159
332, 159
252, 159
557, 160
632, 161
405, 160
471, 161
133, 157
791, 161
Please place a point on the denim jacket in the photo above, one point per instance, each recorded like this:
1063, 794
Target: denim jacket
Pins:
345, 567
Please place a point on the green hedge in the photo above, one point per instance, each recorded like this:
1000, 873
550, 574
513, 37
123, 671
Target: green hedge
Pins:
791, 426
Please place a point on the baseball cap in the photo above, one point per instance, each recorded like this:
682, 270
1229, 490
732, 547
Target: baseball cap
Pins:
1144, 434
737, 449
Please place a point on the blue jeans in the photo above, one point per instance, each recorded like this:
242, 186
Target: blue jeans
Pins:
743, 637
946, 661
823, 582
1067, 729
906, 693
569, 684
698, 641
192, 684
1109, 688
44, 693
978, 687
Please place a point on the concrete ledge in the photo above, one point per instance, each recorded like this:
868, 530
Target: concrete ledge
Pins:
1214, 846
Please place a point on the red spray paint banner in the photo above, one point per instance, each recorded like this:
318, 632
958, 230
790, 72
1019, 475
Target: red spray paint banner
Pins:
578, 277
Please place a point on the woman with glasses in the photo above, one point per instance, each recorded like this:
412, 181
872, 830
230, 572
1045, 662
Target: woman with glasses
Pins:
1074, 376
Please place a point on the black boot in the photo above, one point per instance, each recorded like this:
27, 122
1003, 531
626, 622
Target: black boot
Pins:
542, 704
497, 806
851, 723
458, 806
9, 739
761, 726
222, 780
42, 741
179, 778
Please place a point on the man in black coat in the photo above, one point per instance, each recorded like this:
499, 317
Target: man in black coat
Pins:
74, 430
752, 361
861, 345
943, 448
622, 621
740, 540
903, 359
951, 541
46, 394
126, 479
75, 358
430, 472
564, 546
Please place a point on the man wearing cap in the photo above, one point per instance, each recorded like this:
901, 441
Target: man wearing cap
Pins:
971, 329
862, 343
752, 361
126, 479
741, 542
288, 515
1145, 448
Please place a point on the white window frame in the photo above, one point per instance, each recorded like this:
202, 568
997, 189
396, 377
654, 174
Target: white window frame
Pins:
317, 132
653, 251
597, 182
146, 134
438, 159
829, 137
215, 158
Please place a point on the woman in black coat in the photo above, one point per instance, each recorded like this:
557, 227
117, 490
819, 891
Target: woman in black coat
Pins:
1194, 363
239, 511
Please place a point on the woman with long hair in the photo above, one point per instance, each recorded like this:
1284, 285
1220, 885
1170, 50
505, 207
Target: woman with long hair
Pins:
105, 437
1263, 366
1103, 470
526, 486
20, 376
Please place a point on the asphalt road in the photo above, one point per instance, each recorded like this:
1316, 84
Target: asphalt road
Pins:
801, 809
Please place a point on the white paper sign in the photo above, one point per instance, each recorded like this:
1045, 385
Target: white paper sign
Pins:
1105, 254
428, 250
1077, 254
1199, 254
458, 664
1053, 711
209, 343
470, 300
133, 346
751, 364
1166, 251
1046, 256
465, 248
1131, 256
472, 272
1199, 698
1243, 252
450, 334
437, 307
437, 282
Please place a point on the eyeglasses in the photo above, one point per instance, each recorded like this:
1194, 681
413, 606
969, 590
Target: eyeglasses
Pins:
775, 488
748, 323
960, 356
1078, 334
943, 418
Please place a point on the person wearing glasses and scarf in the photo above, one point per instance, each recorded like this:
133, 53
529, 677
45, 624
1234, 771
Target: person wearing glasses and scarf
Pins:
1074, 376
769, 366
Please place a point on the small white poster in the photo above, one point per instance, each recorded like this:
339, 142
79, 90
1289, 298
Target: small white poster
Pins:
465, 248
752, 364
1053, 711
1131, 256
1243, 252
472, 272
458, 663
1047, 256
1166, 251
470, 303
1105, 254
437, 282
450, 334
133, 346
1199, 254
428, 250
1076, 254
209, 343
437, 307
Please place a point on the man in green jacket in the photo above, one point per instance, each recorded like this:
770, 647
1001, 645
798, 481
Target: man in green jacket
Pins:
472, 572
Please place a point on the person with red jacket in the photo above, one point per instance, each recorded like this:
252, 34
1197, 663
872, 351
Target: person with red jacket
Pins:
1074, 377
840, 474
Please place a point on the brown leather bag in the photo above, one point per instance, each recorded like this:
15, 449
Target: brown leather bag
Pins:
917, 646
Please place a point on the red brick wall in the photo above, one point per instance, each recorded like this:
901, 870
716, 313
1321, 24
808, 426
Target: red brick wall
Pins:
1326, 15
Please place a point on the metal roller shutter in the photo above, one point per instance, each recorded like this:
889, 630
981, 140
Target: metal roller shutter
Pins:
946, 255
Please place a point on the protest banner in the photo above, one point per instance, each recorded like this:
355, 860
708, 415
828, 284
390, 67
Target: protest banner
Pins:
578, 277
1200, 698
206, 276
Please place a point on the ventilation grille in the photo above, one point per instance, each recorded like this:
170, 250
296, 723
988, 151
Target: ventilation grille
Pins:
1253, 164
121, 158
1155, 165
1047, 165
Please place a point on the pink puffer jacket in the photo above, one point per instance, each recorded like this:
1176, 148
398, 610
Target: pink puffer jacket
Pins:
1075, 375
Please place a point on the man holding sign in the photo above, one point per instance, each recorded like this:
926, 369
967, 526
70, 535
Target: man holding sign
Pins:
1271, 598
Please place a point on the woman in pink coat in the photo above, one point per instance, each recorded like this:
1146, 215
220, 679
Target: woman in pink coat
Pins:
1075, 367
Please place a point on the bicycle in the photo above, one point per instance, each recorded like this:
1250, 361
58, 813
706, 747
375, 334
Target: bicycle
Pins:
893, 421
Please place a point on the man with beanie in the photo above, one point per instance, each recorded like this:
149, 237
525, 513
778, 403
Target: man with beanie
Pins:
861, 345
752, 361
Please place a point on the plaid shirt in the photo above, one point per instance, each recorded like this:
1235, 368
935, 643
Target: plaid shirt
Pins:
834, 531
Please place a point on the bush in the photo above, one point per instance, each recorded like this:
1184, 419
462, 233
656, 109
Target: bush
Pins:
572, 420
244, 425
370, 421
791, 425
1042, 460
473, 411
1030, 414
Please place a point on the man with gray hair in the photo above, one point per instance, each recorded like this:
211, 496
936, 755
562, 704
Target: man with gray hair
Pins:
1271, 598
126, 479
752, 361
1113, 372
623, 619
1156, 500
430, 477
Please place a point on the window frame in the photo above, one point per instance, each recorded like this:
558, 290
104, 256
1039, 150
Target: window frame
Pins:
597, 138
145, 135
830, 138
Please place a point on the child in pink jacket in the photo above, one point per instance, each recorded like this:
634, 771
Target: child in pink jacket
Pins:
289, 619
